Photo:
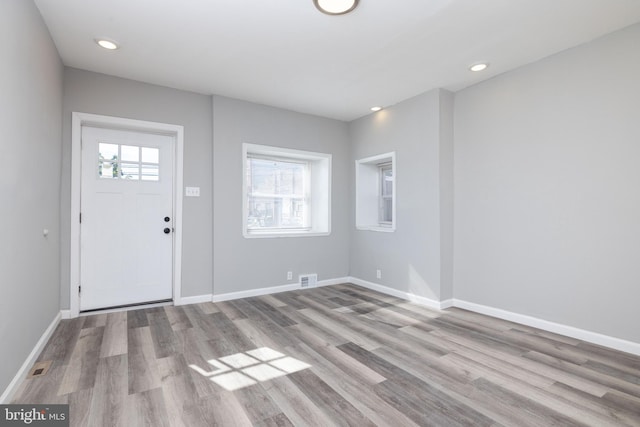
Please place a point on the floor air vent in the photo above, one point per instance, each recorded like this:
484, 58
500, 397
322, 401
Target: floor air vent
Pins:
40, 369
308, 280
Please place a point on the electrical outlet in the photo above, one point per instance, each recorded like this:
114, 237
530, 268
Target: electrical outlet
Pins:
289, 275
379, 274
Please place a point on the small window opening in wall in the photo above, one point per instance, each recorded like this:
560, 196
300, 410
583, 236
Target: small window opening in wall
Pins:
376, 193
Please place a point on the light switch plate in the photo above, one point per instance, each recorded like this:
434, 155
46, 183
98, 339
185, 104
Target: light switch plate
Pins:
192, 191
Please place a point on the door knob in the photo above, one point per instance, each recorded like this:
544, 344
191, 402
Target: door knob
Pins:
167, 230
167, 219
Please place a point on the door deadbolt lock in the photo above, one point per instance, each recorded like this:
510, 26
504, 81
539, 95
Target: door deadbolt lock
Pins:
167, 219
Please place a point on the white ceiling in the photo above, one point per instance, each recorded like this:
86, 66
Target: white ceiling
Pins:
285, 53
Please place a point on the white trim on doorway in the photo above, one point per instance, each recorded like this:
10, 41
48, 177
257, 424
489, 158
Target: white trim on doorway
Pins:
85, 119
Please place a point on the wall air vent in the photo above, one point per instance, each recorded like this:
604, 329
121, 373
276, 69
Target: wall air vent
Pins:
308, 280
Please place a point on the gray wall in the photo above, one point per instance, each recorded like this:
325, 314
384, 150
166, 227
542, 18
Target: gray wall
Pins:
415, 258
242, 264
94, 93
30, 149
547, 175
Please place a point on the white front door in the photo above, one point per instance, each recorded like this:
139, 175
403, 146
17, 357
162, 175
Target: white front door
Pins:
126, 230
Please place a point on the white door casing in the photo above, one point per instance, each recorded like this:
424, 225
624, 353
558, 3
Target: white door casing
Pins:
173, 134
126, 236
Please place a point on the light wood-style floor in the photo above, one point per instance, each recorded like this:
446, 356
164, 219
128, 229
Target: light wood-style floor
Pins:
339, 355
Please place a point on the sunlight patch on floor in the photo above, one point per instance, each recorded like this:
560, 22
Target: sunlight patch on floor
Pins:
240, 370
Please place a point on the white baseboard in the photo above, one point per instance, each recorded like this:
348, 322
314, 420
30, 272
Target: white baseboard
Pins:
558, 328
194, 300
427, 302
12, 388
65, 314
275, 289
448, 303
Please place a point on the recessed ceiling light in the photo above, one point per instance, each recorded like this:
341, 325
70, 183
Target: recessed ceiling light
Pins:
335, 7
479, 67
107, 44
374, 109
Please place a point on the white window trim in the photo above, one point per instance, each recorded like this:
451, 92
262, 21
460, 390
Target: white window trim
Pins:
320, 197
368, 193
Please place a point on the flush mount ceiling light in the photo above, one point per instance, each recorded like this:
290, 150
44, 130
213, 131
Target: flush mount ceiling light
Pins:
335, 7
374, 109
107, 44
479, 66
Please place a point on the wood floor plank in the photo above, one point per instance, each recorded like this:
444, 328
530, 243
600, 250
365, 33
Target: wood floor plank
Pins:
437, 403
62, 342
43, 390
137, 319
231, 312
537, 393
223, 409
338, 355
525, 407
297, 407
81, 402
351, 387
207, 307
482, 366
81, 371
108, 402
467, 346
621, 414
141, 361
162, 334
271, 300
147, 408
179, 393
95, 321
279, 420
114, 340
257, 403
177, 318
597, 377
291, 299
336, 409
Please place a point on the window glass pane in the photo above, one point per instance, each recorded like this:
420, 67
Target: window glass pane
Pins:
130, 153
108, 151
387, 181
387, 210
386, 193
150, 155
149, 173
130, 171
276, 194
108, 169
276, 177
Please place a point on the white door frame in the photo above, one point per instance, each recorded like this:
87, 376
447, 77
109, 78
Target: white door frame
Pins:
84, 119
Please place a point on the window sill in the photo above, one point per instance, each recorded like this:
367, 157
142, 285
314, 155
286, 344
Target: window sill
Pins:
389, 229
280, 234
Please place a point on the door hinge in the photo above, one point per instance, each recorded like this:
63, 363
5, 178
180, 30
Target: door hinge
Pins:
80, 217
79, 289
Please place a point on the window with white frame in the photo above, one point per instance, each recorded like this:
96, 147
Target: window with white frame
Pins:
286, 192
375, 193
